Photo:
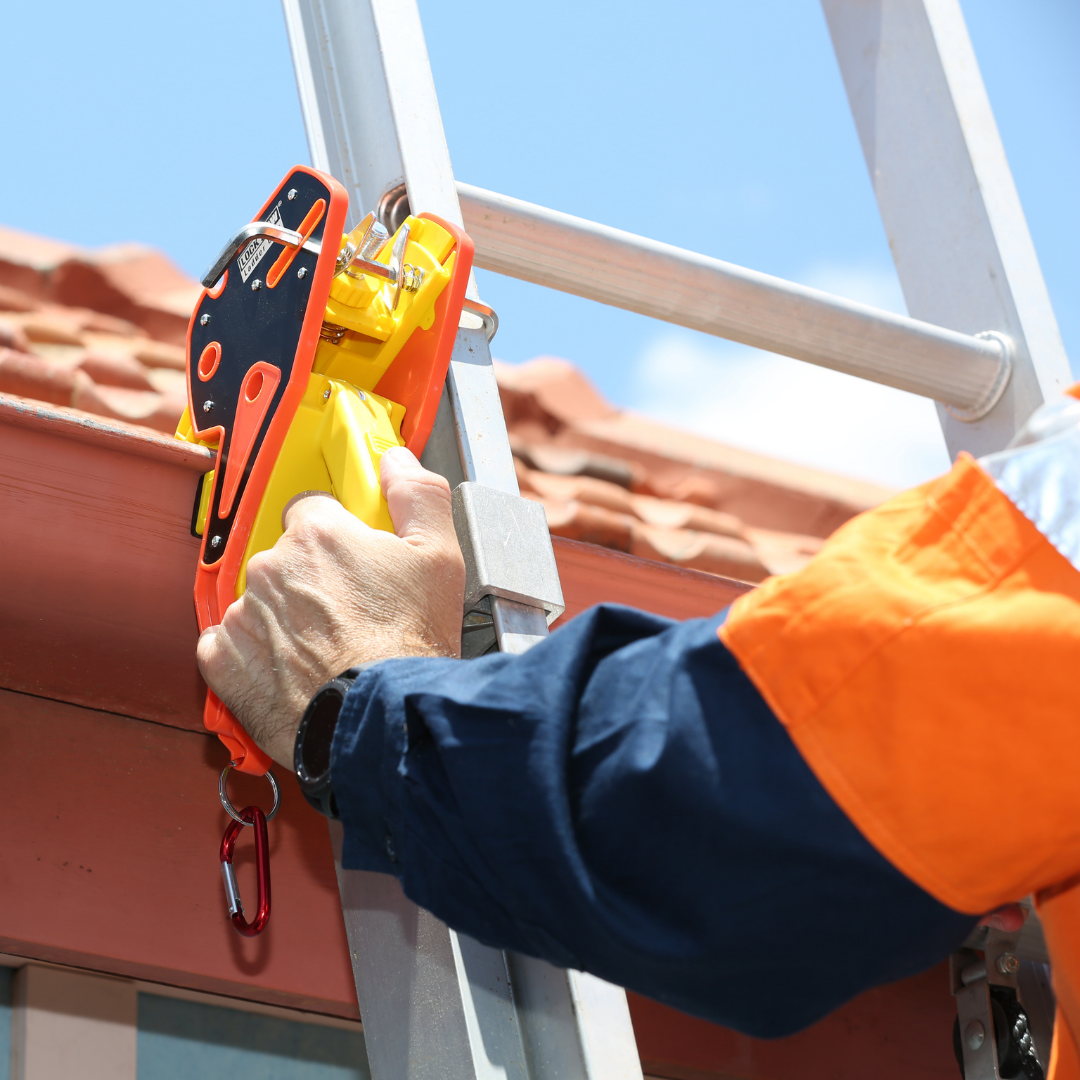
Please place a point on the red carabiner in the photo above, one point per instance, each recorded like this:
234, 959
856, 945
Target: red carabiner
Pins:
253, 816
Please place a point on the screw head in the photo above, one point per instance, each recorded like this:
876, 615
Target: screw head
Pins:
256, 285
326, 394
975, 1034
302, 273
1008, 964
207, 405
204, 320
215, 541
292, 194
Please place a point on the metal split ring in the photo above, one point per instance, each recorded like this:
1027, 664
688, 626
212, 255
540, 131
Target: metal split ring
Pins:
231, 810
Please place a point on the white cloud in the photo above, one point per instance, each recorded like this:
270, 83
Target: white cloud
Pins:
788, 409
869, 283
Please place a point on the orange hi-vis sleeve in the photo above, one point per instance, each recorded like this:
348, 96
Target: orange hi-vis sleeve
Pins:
925, 664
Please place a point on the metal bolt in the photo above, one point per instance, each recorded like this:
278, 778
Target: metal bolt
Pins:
302, 273
974, 1034
207, 405
215, 542
1008, 964
326, 394
292, 194
204, 320
256, 285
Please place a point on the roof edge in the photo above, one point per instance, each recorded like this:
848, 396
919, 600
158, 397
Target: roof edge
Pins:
115, 435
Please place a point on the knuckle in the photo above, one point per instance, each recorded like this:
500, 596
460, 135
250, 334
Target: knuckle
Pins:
311, 532
259, 572
435, 486
436, 483
421, 482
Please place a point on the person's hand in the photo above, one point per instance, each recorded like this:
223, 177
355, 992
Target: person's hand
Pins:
333, 593
1008, 917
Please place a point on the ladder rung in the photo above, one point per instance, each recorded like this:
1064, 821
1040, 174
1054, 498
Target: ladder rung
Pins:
614, 267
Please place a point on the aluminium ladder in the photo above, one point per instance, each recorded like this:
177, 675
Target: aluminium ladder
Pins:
982, 342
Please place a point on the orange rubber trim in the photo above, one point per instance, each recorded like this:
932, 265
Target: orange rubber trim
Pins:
256, 393
209, 360
307, 227
213, 293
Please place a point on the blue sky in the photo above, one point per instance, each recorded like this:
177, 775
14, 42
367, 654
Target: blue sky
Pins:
717, 125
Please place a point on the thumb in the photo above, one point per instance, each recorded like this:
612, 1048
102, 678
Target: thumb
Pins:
311, 507
418, 500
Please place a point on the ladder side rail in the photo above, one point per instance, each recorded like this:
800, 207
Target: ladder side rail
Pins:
358, 147
547, 247
956, 229
368, 101
435, 1003
951, 212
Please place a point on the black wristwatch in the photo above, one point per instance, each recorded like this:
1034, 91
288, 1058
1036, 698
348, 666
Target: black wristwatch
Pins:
311, 754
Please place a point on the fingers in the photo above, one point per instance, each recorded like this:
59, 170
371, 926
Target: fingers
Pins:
318, 508
1008, 917
418, 500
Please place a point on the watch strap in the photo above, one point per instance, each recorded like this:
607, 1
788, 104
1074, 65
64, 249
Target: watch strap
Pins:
314, 739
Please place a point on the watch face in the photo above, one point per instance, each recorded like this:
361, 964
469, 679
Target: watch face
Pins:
319, 734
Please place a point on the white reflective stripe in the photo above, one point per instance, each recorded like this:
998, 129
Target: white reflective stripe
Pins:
1042, 478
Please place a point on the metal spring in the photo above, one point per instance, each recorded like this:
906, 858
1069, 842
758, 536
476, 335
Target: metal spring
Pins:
332, 333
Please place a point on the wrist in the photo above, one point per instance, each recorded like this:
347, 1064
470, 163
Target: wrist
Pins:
314, 740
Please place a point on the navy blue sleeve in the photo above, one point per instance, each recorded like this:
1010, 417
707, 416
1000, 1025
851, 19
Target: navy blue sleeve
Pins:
621, 800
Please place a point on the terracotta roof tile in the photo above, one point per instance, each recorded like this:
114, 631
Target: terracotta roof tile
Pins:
115, 369
673, 514
592, 524
130, 282
12, 337
551, 387
27, 375
148, 408
16, 300
600, 512
32, 251
134, 283
694, 550
159, 354
675, 497
102, 332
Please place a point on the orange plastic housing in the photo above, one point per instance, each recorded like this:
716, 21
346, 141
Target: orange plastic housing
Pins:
415, 378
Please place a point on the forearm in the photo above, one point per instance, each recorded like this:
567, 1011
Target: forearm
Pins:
620, 799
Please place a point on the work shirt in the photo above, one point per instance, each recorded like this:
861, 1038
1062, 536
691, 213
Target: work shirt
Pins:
755, 817
621, 800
